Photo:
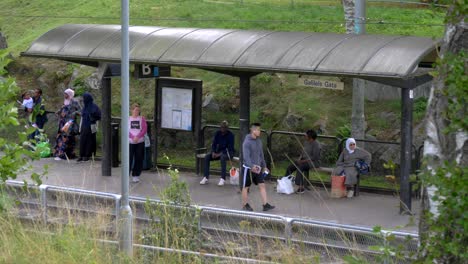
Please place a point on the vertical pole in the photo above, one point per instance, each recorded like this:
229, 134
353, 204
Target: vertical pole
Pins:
126, 234
244, 114
106, 128
406, 143
156, 123
357, 118
360, 17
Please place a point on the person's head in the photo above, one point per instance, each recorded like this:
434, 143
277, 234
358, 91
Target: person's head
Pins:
37, 92
68, 95
311, 135
255, 130
350, 145
135, 110
26, 95
87, 99
223, 127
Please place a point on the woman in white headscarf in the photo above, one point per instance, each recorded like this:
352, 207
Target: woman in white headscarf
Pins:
67, 127
345, 164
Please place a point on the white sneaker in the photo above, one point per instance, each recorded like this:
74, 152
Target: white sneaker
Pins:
221, 182
135, 179
57, 158
204, 181
350, 194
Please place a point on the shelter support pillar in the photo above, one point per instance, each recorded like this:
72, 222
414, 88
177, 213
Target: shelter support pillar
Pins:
244, 113
406, 143
106, 128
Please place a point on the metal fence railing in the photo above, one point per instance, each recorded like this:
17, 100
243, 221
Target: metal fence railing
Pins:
54, 203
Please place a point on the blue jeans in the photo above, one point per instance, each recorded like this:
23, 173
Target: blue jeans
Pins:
208, 158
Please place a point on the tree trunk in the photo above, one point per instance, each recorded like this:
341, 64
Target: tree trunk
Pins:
3, 42
439, 145
348, 8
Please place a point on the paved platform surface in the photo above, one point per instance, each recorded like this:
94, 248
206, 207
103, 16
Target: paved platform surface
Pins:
367, 210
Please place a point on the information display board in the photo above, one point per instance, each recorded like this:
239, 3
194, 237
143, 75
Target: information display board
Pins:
178, 104
176, 108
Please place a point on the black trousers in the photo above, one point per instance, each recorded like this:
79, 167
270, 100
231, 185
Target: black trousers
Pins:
137, 154
87, 142
299, 174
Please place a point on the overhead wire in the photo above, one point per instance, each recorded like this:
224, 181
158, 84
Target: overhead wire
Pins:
368, 21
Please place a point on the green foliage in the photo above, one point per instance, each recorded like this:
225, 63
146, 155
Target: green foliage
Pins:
419, 108
173, 224
390, 165
15, 154
456, 90
447, 239
343, 131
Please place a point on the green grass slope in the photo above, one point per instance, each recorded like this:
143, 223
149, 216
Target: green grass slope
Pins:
22, 21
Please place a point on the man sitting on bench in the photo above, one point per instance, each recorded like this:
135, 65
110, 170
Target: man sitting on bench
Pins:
310, 158
222, 149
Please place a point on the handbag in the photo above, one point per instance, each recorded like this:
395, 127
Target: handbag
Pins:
234, 176
362, 167
285, 185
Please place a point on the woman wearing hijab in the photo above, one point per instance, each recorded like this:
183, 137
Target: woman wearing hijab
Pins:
136, 132
67, 127
88, 128
346, 164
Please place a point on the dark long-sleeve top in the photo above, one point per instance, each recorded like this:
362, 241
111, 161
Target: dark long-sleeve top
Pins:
222, 143
311, 153
90, 112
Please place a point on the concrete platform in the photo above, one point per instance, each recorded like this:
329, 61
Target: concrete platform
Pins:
367, 210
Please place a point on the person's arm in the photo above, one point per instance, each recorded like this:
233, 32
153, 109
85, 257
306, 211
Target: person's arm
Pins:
246, 155
215, 142
367, 156
97, 114
340, 161
143, 128
316, 155
231, 144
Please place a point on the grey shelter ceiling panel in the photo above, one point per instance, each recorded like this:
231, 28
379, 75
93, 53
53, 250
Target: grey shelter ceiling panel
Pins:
351, 55
85, 42
52, 41
268, 50
308, 53
111, 48
157, 43
401, 57
191, 46
227, 49
394, 57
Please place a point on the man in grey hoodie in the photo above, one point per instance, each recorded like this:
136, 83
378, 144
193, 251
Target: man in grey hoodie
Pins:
254, 167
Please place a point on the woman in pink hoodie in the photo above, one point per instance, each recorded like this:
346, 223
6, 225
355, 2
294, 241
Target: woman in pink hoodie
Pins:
136, 132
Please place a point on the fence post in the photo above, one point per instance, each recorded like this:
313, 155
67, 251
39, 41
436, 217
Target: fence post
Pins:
288, 230
43, 190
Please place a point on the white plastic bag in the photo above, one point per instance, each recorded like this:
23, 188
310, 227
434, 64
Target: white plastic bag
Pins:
147, 141
234, 176
285, 185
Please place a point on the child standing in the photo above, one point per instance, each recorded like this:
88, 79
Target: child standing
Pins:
27, 104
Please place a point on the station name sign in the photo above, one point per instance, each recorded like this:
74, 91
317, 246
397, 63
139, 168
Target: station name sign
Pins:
333, 83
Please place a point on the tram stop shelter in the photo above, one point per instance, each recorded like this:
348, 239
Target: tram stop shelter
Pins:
399, 61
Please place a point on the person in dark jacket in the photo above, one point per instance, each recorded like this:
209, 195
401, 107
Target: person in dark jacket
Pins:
222, 149
39, 115
310, 158
90, 114
254, 167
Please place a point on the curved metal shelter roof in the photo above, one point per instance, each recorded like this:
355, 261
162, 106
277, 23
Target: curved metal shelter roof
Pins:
242, 50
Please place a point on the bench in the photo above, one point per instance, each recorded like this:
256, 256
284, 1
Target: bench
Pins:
200, 155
